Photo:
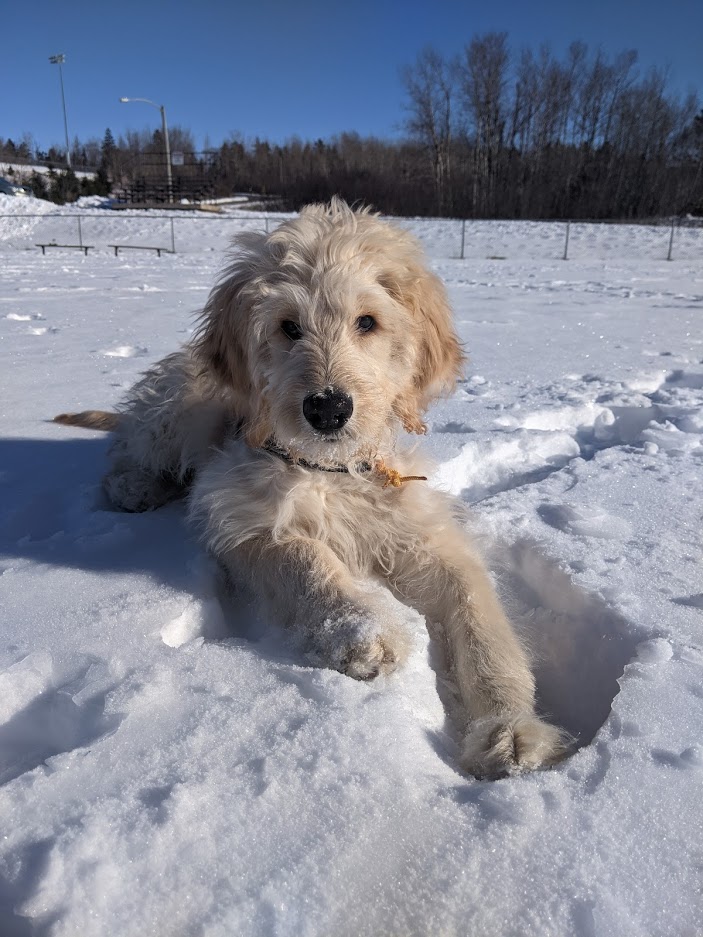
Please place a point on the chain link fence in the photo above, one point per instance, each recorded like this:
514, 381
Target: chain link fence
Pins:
190, 233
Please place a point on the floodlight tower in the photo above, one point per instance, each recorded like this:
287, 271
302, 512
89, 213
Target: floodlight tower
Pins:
59, 60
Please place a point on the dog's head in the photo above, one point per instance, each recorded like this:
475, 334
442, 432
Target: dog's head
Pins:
328, 332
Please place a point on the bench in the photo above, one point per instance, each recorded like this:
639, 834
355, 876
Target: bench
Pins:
140, 247
78, 247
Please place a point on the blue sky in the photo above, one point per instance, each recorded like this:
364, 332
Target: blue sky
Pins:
277, 69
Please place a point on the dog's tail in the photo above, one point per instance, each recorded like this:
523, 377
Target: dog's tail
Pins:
90, 419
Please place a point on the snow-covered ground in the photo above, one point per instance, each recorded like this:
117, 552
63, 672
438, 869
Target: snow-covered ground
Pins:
22, 172
169, 766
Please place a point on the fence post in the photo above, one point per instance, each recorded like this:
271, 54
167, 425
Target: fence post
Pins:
173, 238
463, 236
671, 238
80, 233
566, 242
266, 224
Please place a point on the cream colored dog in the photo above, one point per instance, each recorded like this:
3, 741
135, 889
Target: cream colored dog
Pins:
322, 341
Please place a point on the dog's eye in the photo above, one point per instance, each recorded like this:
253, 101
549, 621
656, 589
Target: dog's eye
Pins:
365, 323
292, 330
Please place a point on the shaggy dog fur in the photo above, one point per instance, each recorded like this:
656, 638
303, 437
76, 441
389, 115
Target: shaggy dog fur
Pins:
321, 342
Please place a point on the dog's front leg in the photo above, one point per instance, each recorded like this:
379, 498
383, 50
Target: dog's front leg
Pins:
450, 586
307, 587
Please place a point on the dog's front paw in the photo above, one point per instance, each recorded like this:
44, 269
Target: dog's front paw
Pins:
362, 645
368, 659
497, 746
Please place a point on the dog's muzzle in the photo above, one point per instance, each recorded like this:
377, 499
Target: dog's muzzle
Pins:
329, 411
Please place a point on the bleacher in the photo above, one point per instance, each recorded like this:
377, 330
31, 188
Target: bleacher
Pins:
146, 191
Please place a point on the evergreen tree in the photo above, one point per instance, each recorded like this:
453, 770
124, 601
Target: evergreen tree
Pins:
37, 181
65, 187
107, 148
102, 183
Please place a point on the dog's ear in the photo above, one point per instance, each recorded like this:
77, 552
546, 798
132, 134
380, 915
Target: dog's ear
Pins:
224, 346
222, 340
439, 356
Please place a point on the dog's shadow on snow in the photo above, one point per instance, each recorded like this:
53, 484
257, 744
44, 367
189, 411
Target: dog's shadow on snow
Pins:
53, 511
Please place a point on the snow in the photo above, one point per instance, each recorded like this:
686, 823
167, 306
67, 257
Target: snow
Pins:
23, 171
169, 765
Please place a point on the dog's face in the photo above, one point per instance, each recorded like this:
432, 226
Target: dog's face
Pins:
329, 332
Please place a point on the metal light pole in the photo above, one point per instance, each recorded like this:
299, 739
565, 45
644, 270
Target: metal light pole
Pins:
164, 128
59, 60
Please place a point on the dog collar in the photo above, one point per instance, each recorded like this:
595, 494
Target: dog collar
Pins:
315, 466
392, 477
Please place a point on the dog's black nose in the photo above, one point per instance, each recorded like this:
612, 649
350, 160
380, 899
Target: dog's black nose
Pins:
329, 411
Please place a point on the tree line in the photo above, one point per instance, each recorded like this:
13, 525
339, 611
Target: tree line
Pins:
493, 132
532, 135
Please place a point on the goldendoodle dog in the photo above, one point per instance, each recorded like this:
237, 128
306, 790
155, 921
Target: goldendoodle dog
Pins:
282, 418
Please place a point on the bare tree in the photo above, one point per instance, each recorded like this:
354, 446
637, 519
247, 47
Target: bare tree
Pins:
430, 90
483, 73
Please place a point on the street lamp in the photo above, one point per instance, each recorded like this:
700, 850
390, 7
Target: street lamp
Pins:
161, 108
59, 60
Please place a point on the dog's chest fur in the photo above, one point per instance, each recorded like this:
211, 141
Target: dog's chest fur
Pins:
336, 510
252, 494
